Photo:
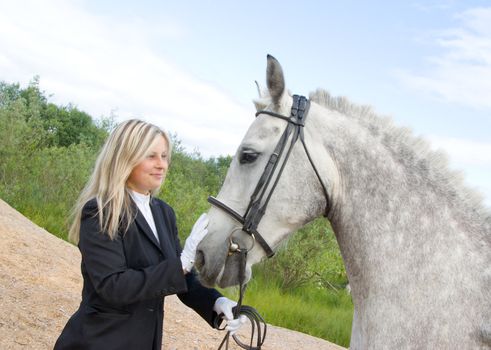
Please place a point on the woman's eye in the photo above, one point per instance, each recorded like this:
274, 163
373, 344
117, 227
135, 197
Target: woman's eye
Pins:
248, 157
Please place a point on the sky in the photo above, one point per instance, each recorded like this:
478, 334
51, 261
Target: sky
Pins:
191, 66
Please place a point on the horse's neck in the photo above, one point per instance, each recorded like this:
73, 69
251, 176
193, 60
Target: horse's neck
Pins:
388, 216
416, 257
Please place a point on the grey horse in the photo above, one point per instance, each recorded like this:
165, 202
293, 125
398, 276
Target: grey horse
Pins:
415, 241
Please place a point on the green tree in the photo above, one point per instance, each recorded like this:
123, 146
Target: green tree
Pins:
46, 153
68, 125
54, 125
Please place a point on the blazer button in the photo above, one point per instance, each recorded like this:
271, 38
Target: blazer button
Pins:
150, 309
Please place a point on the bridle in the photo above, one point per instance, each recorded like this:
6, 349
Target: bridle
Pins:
260, 198
257, 207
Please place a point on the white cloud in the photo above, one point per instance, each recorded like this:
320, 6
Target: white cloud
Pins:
464, 152
103, 64
462, 74
474, 157
429, 6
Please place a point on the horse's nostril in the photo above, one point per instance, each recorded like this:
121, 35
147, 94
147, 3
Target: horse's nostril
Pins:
199, 259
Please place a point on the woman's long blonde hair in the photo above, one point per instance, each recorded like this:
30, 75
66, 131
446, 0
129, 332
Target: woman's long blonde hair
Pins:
125, 147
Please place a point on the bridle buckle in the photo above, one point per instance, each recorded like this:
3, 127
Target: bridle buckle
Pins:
235, 248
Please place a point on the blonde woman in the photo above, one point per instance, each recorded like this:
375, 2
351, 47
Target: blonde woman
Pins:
131, 256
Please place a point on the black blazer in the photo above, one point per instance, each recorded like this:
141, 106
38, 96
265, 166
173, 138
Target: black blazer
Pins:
125, 281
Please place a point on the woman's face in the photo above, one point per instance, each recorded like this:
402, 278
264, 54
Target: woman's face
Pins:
150, 173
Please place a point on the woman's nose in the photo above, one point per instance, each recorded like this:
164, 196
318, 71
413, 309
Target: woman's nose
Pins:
162, 163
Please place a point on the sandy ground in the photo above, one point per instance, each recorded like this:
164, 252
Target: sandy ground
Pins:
40, 285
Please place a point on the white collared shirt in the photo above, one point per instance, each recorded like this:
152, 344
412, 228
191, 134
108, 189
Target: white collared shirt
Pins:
143, 203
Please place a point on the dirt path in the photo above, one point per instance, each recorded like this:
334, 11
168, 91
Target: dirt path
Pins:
40, 287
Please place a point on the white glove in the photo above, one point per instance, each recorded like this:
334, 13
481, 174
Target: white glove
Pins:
198, 232
224, 306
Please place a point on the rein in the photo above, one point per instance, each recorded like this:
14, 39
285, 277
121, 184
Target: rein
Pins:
254, 317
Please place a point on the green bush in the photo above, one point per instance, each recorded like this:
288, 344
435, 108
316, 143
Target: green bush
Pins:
310, 256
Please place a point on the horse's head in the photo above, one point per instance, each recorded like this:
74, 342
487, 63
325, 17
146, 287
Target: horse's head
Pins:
294, 195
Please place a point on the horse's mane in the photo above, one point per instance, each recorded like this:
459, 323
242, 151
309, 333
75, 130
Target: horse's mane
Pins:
411, 151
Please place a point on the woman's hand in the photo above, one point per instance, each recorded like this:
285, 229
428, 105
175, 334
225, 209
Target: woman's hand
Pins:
225, 306
198, 232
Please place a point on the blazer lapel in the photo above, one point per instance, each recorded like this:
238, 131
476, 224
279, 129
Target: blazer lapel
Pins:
142, 223
162, 229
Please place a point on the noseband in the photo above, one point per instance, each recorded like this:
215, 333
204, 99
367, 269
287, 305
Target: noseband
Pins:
260, 198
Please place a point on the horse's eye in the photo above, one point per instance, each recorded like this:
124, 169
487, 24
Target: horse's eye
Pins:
248, 157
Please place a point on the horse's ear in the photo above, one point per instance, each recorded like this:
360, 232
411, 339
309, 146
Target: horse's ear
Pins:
260, 92
275, 79
263, 98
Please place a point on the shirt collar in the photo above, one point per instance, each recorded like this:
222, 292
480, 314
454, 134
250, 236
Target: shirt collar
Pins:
139, 198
